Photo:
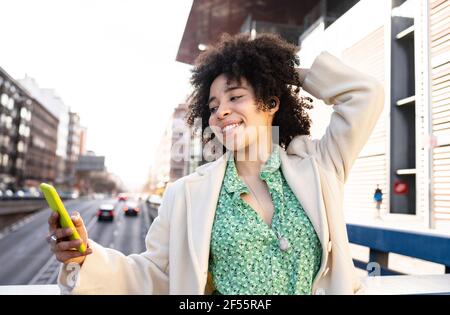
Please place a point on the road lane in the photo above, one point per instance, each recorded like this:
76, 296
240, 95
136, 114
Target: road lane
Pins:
26, 256
129, 233
24, 251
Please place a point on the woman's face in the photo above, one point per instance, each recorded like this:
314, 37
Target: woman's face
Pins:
234, 117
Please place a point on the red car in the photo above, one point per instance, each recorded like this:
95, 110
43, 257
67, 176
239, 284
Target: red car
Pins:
123, 197
105, 213
131, 209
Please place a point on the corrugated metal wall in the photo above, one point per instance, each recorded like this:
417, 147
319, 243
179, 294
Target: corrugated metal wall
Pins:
422, 109
439, 11
370, 169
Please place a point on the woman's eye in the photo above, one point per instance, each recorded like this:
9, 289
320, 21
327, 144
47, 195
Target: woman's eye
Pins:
233, 98
213, 109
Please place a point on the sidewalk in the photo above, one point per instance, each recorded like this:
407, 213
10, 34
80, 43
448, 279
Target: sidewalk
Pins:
396, 221
400, 263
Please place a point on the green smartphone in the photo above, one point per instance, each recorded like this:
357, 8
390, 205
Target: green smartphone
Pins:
55, 203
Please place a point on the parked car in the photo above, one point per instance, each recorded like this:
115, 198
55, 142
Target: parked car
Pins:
106, 212
131, 208
19, 194
9, 193
32, 192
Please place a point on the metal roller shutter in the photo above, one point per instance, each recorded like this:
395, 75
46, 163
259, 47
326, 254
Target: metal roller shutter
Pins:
440, 109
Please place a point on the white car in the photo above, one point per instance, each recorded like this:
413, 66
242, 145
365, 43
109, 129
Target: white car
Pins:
154, 201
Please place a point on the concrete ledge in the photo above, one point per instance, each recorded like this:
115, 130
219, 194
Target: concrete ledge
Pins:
385, 285
48, 289
21, 206
406, 285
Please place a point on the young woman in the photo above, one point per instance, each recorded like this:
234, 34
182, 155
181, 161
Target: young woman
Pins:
266, 216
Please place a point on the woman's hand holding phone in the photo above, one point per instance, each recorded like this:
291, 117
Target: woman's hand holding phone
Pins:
64, 248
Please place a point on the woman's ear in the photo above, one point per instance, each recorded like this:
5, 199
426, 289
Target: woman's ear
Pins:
274, 104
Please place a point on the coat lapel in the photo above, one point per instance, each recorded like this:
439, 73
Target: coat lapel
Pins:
202, 194
304, 181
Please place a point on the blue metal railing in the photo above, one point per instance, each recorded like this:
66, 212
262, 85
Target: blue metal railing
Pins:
431, 247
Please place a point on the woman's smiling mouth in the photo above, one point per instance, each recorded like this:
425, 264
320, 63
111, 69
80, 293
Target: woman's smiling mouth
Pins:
229, 128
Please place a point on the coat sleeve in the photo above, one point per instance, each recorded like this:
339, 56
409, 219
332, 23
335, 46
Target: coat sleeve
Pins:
358, 102
107, 271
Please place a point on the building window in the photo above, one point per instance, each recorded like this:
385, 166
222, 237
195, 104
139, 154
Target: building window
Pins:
6, 121
22, 129
4, 99
11, 103
38, 142
5, 141
25, 113
20, 146
5, 160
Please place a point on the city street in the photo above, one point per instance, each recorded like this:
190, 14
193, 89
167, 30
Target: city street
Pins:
26, 257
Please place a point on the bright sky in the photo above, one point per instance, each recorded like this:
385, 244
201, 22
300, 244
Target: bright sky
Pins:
112, 61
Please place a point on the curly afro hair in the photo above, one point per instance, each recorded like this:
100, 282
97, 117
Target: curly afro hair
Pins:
268, 63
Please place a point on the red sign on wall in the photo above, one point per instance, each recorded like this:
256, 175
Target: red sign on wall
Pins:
400, 187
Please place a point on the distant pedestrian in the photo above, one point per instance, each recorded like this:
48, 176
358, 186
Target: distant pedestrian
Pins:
378, 198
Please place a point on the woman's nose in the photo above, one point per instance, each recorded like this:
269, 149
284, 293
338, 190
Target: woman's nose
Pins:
222, 112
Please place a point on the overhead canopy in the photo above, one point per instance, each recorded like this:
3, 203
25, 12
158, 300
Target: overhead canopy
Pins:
210, 18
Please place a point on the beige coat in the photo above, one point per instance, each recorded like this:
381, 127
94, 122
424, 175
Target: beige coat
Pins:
176, 259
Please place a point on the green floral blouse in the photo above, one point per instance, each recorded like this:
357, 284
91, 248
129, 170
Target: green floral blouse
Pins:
245, 256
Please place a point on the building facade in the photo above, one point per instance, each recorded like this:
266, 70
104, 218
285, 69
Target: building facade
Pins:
179, 152
159, 175
15, 130
179, 162
40, 159
83, 140
73, 148
437, 94
404, 44
53, 103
